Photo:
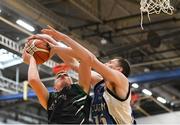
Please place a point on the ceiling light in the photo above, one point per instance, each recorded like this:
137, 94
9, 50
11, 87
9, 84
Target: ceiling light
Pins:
146, 69
147, 92
103, 41
135, 85
0, 10
162, 100
25, 25
17, 38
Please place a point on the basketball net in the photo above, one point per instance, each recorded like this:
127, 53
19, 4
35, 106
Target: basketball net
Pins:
155, 6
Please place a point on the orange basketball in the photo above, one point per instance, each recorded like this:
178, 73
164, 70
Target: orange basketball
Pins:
40, 49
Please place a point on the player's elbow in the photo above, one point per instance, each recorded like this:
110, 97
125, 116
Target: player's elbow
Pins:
90, 59
87, 58
32, 80
94, 60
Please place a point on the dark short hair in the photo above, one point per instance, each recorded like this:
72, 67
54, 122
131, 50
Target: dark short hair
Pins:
125, 65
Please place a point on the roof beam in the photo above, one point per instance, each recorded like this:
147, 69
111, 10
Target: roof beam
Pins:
42, 16
155, 76
139, 44
91, 11
156, 62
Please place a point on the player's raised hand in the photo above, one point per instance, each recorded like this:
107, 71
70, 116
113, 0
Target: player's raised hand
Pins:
44, 37
54, 33
26, 56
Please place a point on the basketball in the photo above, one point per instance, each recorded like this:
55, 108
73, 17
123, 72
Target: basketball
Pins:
40, 49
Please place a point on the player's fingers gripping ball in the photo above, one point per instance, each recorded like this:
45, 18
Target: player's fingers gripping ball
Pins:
39, 49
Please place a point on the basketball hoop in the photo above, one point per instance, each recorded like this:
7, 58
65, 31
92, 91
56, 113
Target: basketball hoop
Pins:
155, 6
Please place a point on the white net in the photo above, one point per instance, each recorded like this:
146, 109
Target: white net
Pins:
155, 7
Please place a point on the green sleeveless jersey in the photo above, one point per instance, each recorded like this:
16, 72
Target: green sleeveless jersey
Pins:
69, 106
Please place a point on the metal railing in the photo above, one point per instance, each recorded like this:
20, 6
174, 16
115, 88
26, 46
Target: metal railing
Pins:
15, 47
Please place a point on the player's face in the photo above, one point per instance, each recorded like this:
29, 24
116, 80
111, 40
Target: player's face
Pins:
114, 64
62, 81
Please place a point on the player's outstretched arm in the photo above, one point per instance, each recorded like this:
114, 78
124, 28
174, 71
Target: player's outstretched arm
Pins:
106, 72
65, 53
79, 51
34, 80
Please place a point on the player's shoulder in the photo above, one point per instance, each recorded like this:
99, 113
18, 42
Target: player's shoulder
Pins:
95, 78
76, 87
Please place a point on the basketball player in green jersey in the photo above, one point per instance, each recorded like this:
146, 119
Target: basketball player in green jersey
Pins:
69, 104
